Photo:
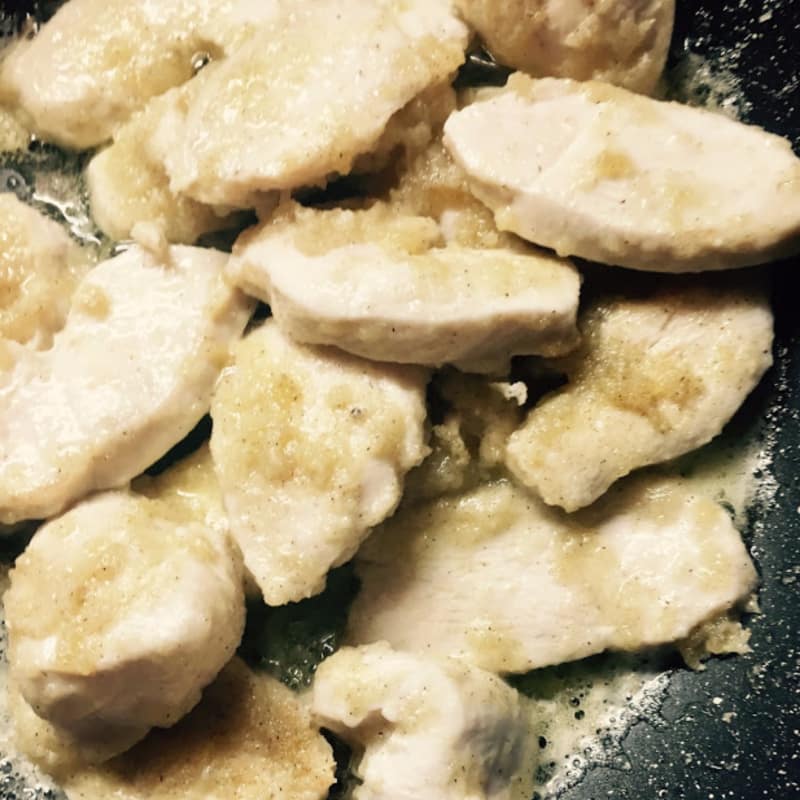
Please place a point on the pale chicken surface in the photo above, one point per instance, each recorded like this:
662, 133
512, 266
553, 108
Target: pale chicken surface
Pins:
187, 493
496, 578
656, 377
190, 488
385, 287
409, 131
433, 185
426, 728
282, 111
119, 613
250, 738
310, 446
96, 62
13, 134
624, 42
40, 267
128, 376
127, 181
594, 171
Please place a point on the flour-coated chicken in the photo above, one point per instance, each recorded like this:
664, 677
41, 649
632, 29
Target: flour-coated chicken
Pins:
433, 185
426, 728
595, 171
657, 376
249, 738
127, 182
129, 375
310, 446
119, 613
624, 42
384, 286
308, 94
40, 266
498, 579
95, 62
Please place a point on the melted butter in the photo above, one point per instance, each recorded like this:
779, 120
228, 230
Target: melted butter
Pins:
63, 193
582, 711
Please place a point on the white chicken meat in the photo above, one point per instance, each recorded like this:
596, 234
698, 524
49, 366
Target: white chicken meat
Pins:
13, 134
40, 266
127, 182
95, 62
594, 171
130, 374
426, 728
498, 579
310, 446
307, 95
119, 613
657, 376
250, 738
383, 287
624, 42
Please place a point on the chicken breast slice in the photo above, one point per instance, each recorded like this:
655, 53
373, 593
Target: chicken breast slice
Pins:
249, 737
310, 447
656, 377
128, 184
95, 62
381, 286
624, 42
187, 493
190, 488
128, 377
433, 185
40, 266
427, 728
281, 112
119, 613
13, 134
409, 131
496, 578
594, 171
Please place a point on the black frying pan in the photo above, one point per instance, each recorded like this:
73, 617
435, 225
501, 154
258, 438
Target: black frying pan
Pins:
689, 750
